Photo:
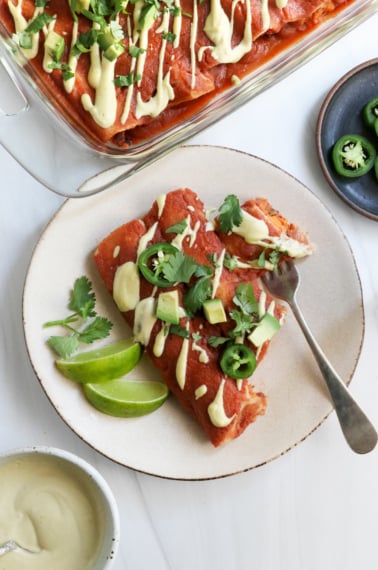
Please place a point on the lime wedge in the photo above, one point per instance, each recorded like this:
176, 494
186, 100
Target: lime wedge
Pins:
106, 363
127, 398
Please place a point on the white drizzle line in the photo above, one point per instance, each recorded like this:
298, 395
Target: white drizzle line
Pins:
177, 23
160, 340
200, 391
216, 409
218, 272
219, 29
188, 232
164, 90
130, 89
101, 77
161, 204
193, 36
72, 60
142, 244
182, 361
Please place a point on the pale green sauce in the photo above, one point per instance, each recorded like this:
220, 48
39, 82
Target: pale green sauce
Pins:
216, 409
49, 507
126, 286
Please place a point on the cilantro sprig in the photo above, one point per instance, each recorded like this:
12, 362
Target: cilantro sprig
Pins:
83, 324
230, 214
245, 315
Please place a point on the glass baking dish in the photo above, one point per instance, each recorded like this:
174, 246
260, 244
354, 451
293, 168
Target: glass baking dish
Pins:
36, 133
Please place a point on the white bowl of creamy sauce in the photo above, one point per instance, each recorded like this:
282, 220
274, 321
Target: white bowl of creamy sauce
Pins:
60, 508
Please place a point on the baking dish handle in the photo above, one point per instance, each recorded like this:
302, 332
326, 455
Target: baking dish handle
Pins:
52, 159
31, 138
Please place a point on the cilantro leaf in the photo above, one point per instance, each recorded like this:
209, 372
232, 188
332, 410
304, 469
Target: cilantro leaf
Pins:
135, 51
39, 22
204, 271
216, 341
127, 80
83, 298
230, 262
197, 294
179, 331
66, 70
179, 268
274, 257
244, 323
64, 345
99, 328
196, 337
230, 214
245, 298
169, 36
82, 302
261, 259
177, 228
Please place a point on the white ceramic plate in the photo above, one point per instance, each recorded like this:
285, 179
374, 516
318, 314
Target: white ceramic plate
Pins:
168, 443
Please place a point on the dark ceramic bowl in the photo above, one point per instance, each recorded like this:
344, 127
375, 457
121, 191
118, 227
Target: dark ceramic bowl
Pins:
341, 113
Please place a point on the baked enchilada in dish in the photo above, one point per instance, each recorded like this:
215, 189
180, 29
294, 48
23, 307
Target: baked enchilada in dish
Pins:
188, 285
123, 71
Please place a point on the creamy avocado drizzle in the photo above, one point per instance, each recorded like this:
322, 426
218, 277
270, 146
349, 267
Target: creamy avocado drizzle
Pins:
50, 508
200, 391
219, 28
182, 361
103, 108
216, 411
72, 60
256, 232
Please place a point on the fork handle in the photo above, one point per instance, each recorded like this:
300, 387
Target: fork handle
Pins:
357, 428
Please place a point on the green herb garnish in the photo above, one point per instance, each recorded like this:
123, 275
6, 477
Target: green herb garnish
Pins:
169, 36
178, 228
66, 70
38, 23
83, 324
127, 80
230, 214
197, 295
136, 51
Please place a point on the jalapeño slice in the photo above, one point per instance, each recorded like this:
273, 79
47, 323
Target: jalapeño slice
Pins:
370, 112
353, 156
238, 361
151, 263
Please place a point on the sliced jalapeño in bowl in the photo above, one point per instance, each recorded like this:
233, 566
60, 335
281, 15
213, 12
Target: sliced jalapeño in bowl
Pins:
353, 155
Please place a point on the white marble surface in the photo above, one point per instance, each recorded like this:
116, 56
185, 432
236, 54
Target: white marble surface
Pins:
316, 508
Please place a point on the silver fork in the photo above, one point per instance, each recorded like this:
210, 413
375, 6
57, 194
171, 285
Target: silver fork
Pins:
359, 432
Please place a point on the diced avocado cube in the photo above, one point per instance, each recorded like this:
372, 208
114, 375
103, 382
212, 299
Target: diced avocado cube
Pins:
264, 331
168, 308
114, 51
54, 45
147, 17
106, 39
214, 311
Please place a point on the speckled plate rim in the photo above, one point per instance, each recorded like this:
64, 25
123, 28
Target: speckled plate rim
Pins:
332, 179
168, 443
